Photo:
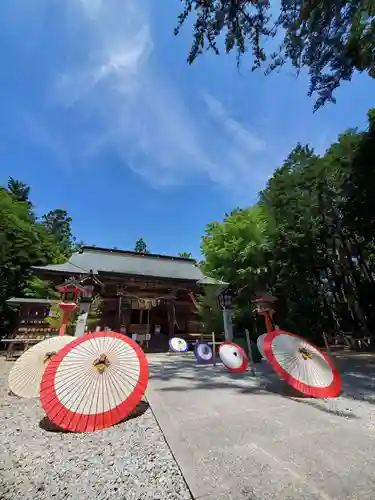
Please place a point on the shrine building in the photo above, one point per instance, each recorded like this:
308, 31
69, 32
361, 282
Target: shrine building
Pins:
142, 293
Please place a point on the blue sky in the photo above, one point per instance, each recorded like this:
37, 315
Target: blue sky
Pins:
102, 116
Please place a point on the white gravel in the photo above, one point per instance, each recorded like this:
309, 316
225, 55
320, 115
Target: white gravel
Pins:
125, 462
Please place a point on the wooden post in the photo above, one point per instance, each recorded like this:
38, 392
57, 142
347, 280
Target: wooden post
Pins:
251, 362
213, 349
268, 321
170, 319
64, 322
326, 344
148, 334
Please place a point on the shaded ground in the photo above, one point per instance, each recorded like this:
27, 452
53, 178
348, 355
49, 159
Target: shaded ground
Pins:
239, 437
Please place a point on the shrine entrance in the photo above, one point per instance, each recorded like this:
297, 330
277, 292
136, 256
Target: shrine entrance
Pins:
148, 320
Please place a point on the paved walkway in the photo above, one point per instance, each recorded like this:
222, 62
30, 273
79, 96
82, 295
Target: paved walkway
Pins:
235, 437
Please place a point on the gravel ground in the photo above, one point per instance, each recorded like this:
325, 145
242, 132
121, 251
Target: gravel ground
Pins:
125, 462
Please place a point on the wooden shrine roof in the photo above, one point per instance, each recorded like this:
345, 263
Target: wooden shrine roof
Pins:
104, 260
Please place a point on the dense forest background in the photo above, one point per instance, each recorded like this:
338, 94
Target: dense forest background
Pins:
309, 240
26, 241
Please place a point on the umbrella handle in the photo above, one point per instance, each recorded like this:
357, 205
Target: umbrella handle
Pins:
101, 363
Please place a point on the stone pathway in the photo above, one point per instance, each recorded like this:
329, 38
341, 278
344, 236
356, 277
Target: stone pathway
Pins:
236, 437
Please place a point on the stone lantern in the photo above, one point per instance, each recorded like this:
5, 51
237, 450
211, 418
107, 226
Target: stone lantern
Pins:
70, 293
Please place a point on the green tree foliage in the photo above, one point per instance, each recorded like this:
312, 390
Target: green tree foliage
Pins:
309, 240
237, 248
209, 310
185, 255
57, 223
141, 246
360, 188
95, 313
18, 189
26, 242
20, 245
36, 287
332, 39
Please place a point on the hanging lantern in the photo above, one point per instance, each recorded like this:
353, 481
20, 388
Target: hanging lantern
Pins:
87, 293
225, 298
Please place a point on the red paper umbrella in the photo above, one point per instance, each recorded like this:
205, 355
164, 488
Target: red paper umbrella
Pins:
94, 382
302, 365
233, 357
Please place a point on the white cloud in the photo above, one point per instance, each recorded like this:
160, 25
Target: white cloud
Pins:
241, 135
138, 109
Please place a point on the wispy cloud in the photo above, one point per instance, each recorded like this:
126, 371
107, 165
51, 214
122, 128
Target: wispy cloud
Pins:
162, 134
240, 134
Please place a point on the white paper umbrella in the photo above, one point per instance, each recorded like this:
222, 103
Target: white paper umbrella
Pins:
260, 344
26, 374
302, 365
178, 345
94, 382
233, 357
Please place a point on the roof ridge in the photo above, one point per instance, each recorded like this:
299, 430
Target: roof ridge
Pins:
75, 265
130, 263
136, 254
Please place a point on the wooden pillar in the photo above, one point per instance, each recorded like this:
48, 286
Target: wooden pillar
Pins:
171, 317
17, 321
119, 311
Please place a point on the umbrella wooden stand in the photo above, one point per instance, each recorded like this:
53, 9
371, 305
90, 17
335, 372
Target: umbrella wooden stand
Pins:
251, 361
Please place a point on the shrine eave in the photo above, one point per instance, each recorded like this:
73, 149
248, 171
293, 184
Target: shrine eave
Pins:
207, 280
30, 300
67, 268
